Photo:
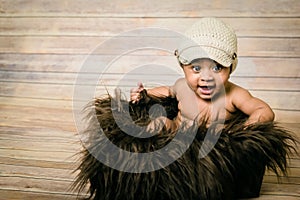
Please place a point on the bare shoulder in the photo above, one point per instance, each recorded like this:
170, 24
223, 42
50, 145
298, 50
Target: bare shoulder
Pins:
255, 108
243, 99
178, 86
180, 82
237, 94
236, 90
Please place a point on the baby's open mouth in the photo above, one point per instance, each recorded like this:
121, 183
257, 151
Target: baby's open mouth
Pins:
206, 89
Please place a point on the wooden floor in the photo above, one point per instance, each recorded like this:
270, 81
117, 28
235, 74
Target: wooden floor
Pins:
44, 46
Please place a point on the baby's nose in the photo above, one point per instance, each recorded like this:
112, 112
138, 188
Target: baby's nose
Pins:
206, 75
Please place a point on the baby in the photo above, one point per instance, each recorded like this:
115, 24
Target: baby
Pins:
182, 161
207, 59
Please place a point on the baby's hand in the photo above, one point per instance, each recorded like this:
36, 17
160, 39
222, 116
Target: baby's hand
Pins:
135, 93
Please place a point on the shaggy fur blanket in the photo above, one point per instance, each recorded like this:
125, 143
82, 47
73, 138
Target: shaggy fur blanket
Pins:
233, 167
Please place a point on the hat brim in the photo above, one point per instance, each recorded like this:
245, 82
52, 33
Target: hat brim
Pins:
188, 55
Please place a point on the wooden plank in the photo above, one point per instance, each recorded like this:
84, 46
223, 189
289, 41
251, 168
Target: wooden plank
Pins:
39, 145
37, 172
36, 134
252, 83
64, 126
38, 115
9, 133
257, 83
134, 8
268, 47
57, 123
247, 66
267, 67
23, 138
244, 27
293, 174
276, 102
277, 197
292, 179
21, 141
292, 127
37, 103
46, 62
36, 185
37, 163
284, 116
50, 155
14, 194
39, 91
259, 47
280, 189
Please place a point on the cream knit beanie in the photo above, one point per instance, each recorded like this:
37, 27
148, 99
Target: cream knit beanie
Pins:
209, 38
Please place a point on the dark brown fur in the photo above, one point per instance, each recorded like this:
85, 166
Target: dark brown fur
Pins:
233, 169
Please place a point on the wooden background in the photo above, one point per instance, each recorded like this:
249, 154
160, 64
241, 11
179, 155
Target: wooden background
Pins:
44, 46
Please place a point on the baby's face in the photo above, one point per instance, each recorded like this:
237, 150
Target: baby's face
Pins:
206, 78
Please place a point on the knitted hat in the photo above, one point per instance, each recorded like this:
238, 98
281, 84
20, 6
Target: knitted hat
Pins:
209, 38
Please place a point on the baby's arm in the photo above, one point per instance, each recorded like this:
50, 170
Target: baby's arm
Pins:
162, 91
256, 109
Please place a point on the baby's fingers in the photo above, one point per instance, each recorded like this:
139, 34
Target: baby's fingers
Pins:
140, 87
135, 97
135, 93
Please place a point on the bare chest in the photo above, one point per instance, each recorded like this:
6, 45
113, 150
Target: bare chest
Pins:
208, 110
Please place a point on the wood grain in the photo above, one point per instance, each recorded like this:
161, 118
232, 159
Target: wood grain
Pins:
89, 26
134, 8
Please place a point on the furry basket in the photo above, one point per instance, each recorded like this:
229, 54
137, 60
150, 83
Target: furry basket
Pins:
233, 168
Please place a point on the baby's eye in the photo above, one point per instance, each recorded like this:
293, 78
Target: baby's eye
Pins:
196, 68
217, 68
